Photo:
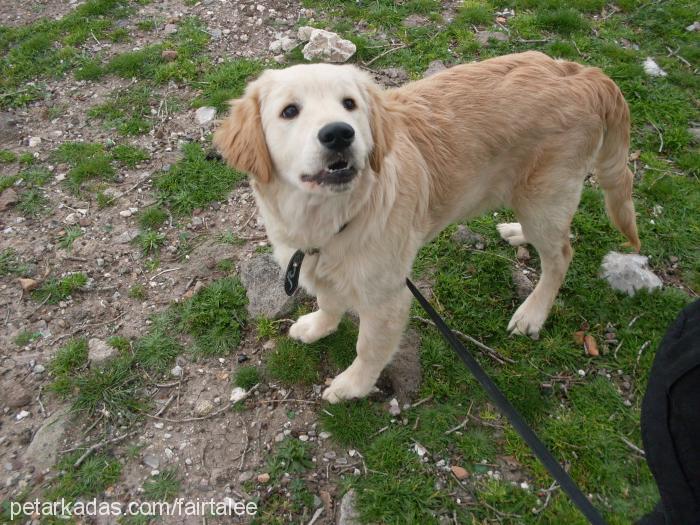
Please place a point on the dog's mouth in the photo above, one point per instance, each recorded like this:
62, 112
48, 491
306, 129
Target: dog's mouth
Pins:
340, 171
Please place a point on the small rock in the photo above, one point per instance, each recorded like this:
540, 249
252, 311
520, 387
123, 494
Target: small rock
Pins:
170, 29
415, 20
205, 115
22, 414
34, 141
419, 449
522, 254
99, 352
463, 235
348, 515
629, 273
434, 67
330, 455
43, 449
39, 369
483, 37
125, 213
176, 371
16, 396
215, 33
695, 26
459, 472
238, 394
263, 478
245, 476
523, 285
695, 134
263, 279
127, 236
652, 69
282, 44
28, 284
7, 198
394, 408
203, 407
151, 461
168, 55
324, 435
328, 46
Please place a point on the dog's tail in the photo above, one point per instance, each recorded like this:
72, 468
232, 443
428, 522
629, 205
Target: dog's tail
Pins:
611, 165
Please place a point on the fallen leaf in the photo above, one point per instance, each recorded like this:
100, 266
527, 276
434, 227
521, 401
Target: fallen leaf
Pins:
263, 478
579, 337
28, 284
591, 346
459, 472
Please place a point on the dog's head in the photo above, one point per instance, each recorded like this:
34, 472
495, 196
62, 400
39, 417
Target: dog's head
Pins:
316, 126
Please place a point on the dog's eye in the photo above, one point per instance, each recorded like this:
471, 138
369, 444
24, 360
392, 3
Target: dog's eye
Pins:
290, 111
349, 104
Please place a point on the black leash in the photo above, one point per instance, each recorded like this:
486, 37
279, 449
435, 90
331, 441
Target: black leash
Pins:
545, 456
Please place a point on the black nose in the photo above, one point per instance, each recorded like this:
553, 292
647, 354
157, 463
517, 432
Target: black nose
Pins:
336, 136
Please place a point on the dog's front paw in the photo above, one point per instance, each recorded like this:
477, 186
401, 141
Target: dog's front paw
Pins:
528, 319
310, 328
351, 384
512, 233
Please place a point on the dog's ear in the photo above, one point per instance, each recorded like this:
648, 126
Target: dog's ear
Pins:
240, 138
381, 123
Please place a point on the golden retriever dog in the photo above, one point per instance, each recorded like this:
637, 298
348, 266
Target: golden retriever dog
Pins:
360, 178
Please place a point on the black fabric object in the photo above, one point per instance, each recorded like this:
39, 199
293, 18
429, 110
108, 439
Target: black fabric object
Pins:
671, 422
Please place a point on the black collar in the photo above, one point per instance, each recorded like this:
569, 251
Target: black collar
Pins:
291, 277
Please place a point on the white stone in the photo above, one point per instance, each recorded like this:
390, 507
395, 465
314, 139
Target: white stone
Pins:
652, 69
34, 141
238, 394
394, 408
100, 352
176, 371
22, 415
71, 218
125, 213
205, 115
629, 273
328, 46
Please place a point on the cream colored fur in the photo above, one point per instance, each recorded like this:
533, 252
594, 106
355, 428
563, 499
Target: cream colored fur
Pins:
520, 131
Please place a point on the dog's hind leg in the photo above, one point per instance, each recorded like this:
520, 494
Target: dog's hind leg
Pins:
545, 222
311, 327
381, 328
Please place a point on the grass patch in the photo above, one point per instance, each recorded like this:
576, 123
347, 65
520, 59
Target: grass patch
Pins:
162, 487
226, 82
129, 156
128, 111
49, 48
91, 478
215, 316
26, 337
7, 156
193, 182
247, 377
138, 291
69, 237
152, 218
55, 290
150, 241
11, 263
88, 162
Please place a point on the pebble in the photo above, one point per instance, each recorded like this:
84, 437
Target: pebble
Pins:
176, 371
125, 213
23, 414
263, 478
34, 141
238, 394
245, 476
39, 369
203, 407
324, 435
151, 461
